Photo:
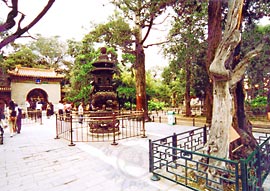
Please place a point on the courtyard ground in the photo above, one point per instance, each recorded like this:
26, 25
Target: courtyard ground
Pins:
35, 161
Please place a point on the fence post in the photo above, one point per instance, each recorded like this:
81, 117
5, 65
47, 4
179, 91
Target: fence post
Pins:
174, 145
35, 116
71, 133
41, 117
143, 126
204, 134
154, 177
114, 143
56, 127
193, 121
244, 179
159, 119
259, 169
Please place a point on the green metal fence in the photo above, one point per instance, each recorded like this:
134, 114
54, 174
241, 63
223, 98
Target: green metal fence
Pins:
256, 166
177, 158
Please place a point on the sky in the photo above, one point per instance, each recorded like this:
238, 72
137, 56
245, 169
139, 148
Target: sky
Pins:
72, 19
65, 18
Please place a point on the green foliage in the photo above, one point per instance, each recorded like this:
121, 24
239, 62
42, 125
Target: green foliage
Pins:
115, 33
127, 106
186, 50
50, 50
258, 69
24, 56
155, 105
258, 105
128, 92
80, 73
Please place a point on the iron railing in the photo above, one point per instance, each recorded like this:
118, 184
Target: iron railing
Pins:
178, 158
100, 127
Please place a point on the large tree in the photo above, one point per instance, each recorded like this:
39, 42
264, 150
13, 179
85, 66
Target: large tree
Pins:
186, 45
258, 70
22, 56
131, 38
12, 21
226, 74
51, 51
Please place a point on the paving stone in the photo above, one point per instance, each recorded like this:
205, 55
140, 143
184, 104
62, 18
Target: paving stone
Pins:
35, 161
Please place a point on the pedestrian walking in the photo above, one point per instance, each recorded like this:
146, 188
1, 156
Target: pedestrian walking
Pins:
60, 108
2, 126
80, 112
39, 108
19, 120
27, 108
12, 118
48, 110
68, 107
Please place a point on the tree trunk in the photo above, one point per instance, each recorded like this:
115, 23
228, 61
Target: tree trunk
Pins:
242, 125
141, 103
221, 120
225, 78
214, 37
187, 93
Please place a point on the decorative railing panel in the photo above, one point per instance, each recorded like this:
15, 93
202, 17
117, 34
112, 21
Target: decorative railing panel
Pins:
179, 158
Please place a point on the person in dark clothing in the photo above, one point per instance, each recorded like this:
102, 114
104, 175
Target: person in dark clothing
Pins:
52, 108
12, 118
1, 133
48, 110
2, 118
11, 105
19, 120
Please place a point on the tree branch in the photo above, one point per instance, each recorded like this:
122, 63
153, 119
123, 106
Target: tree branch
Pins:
231, 39
240, 69
148, 30
21, 31
154, 44
10, 22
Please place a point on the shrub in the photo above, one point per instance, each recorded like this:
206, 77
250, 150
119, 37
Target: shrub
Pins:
258, 105
155, 105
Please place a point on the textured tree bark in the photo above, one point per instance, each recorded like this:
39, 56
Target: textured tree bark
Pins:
140, 79
221, 74
141, 102
187, 93
214, 38
224, 79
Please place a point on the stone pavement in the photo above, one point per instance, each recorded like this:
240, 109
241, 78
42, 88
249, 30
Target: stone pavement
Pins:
35, 161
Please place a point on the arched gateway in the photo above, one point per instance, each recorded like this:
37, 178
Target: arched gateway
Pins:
35, 84
37, 94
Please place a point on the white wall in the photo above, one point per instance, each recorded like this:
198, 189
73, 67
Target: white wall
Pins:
20, 90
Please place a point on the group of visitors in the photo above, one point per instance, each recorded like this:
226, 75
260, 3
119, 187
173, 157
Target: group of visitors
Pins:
13, 120
65, 109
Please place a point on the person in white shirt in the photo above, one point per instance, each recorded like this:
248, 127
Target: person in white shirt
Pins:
80, 112
60, 108
26, 107
39, 109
